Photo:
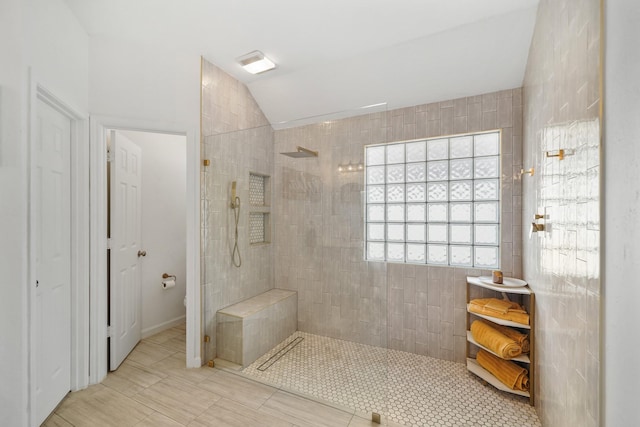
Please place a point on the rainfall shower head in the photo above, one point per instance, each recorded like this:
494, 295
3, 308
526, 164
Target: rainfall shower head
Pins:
302, 152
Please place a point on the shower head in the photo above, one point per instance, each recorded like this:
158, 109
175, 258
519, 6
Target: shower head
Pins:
302, 152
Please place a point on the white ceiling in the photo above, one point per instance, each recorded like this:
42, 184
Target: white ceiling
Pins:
335, 56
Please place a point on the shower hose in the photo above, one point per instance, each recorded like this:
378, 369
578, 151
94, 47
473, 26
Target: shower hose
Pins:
235, 255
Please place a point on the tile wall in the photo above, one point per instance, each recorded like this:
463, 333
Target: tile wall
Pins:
237, 139
318, 226
562, 265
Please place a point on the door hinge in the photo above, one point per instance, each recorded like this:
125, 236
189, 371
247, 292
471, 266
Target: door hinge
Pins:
108, 243
108, 331
109, 156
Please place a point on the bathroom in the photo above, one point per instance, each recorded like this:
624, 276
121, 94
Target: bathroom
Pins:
315, 217
567, 160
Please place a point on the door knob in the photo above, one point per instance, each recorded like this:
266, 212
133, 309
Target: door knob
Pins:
142, 253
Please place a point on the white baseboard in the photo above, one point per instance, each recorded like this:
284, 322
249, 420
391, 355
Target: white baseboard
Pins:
194, 363
163, 326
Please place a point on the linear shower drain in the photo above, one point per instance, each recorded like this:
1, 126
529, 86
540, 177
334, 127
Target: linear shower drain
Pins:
284, 350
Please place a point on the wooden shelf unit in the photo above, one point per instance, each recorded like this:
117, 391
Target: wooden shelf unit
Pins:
529, 360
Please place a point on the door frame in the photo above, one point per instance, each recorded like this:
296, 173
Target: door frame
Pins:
79, 166
99, 125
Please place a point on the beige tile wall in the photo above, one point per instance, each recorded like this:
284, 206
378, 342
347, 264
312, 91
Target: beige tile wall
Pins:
561, 111
319, 229
237, 139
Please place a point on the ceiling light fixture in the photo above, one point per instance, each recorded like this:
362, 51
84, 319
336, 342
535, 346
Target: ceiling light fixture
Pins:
350, 167
255, 62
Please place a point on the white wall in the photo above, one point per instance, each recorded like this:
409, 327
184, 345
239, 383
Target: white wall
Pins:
13, 221
144, 82
164, 234
621, 214
58, 51
44, 35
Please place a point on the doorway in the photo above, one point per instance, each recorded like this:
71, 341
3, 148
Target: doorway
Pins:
147, 215
99, 295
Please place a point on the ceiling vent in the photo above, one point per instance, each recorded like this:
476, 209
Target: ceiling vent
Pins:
255, 62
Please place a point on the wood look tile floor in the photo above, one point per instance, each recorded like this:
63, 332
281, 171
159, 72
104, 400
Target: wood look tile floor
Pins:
153, 388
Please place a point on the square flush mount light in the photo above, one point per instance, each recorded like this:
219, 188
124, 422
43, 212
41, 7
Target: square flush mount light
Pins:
255, 62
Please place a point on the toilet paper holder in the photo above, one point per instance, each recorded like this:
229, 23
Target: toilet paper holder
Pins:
168, 281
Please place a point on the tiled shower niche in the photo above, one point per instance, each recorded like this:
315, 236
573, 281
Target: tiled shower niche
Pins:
259, 215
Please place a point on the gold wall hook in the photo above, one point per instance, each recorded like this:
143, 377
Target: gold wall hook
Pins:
559, 155
530, 171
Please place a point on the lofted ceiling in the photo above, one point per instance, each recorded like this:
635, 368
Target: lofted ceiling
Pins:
336, 56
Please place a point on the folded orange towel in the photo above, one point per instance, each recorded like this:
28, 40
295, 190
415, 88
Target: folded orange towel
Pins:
508, 373
499, 305
520, 338
494, 340
514, 313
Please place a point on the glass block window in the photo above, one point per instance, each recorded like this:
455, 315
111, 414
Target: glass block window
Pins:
435, 201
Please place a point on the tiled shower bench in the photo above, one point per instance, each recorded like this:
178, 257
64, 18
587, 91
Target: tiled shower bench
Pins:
248, 329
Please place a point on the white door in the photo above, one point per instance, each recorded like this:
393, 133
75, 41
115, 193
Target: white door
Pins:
125, 253
52, 227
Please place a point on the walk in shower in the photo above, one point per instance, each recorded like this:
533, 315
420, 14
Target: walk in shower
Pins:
371, 337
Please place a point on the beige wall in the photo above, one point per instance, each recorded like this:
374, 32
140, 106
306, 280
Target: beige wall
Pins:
319, 229
237, 139
561, 111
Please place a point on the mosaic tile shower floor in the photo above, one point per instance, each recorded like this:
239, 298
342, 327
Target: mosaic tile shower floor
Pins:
409, 389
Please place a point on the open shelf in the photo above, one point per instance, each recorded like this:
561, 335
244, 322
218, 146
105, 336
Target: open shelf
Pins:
528, 301
524, 290
522, 358
474, 367
499, 321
